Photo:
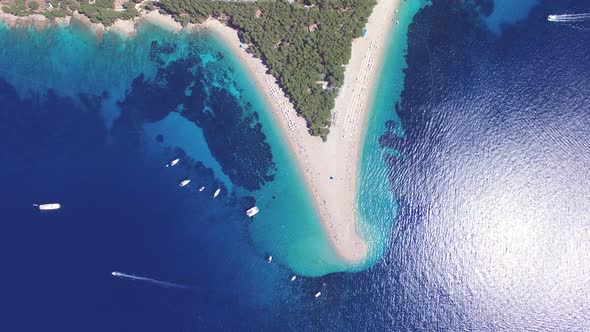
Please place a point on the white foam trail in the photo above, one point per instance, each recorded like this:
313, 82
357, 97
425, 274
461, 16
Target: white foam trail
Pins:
569, 17
149, 280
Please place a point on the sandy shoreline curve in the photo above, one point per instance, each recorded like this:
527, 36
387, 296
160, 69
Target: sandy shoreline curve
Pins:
330, 169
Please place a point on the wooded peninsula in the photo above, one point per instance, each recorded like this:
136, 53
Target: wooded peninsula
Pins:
305, 44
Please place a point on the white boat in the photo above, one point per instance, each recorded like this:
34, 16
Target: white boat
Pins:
173, 162
293, 278
251, 212
48, 206
216, 192
202, 188
269, 259
184, 182
317, 294
569, 17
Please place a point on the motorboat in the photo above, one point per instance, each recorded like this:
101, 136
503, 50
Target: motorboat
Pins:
216, 192
317, 294
173, 162
48, 206
269, 259
251, 212
293, 278
184, 182
202, 188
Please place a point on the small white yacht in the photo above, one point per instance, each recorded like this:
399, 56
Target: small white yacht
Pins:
202, 188
216, 192
48, 206
269, 259
317, 294
184, 182
251, 212
293, 278
173, 162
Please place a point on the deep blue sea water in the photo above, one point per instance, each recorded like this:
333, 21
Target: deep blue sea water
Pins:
91, 122
486, 150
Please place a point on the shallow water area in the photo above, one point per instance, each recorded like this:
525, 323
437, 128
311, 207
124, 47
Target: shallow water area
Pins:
91, 123
477, 143
506, 12
378, 207
490, 174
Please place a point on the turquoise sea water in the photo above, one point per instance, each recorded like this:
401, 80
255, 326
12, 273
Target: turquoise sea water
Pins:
378, 208
486, 152
507, 12
73, 63
289, 228
92, 121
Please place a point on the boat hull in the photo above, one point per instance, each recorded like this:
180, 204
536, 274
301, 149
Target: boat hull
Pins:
49, 206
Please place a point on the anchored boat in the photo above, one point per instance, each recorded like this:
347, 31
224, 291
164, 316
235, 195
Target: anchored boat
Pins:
216, 192
184, 182
173, 162
251, 212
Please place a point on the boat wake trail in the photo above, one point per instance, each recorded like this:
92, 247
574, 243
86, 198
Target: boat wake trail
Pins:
149, 280
569, 18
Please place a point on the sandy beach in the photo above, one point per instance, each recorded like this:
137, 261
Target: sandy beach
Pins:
36, 20
125, 28
330, 169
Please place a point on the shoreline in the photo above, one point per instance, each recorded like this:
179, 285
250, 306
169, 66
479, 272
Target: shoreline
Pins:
340, 156
331, 168
124, 28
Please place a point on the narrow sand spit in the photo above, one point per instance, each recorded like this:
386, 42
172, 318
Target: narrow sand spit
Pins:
330, 169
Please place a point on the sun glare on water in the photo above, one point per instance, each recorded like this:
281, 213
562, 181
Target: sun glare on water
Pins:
524, 243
